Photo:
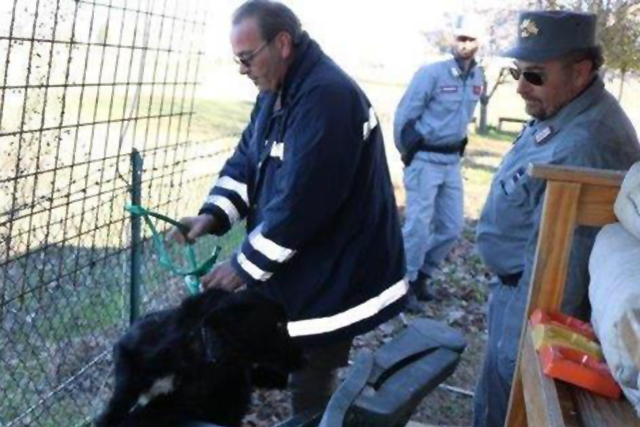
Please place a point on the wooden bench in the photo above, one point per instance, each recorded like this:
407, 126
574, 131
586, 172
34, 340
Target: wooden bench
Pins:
574, 196
509, 120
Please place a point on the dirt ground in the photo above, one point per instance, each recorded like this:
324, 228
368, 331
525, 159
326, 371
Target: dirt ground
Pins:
460, 288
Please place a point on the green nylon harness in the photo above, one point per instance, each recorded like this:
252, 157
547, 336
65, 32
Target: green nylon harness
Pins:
195, 272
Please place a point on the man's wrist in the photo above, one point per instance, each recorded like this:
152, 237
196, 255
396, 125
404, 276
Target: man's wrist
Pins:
220, 223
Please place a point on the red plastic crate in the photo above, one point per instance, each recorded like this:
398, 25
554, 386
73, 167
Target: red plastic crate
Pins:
579, 369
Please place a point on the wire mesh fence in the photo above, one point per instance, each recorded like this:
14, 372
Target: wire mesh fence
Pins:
82, 85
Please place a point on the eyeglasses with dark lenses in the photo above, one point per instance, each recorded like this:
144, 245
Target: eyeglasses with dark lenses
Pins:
245, 60
532, 77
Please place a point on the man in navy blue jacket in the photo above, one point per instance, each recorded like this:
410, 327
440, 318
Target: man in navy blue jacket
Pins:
310, 178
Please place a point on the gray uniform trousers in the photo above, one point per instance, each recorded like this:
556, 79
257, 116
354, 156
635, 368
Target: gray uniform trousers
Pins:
506, 313
434, 215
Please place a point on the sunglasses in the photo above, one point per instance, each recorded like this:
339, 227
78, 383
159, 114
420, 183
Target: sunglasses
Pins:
535, 78
246, 60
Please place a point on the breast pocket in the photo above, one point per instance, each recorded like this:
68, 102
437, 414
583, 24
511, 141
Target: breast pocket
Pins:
275, 159
448, 101
450, 93
515, 187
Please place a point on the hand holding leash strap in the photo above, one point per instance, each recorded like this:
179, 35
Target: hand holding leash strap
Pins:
191, 276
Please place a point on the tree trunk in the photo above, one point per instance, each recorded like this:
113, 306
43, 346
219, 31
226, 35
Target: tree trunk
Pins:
622, 76
483, 127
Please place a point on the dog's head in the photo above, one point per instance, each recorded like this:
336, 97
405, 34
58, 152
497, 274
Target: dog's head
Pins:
244, 327
251, 329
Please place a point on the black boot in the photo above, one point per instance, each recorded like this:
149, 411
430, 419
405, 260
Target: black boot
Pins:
420, 287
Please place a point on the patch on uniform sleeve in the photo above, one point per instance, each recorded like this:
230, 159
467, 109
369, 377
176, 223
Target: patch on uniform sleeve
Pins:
448, 89
477, 90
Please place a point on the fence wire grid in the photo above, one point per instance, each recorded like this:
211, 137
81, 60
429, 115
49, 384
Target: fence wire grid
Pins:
84, 84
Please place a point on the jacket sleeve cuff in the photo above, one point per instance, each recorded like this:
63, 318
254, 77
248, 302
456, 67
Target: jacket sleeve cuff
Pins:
243, 268
222, 223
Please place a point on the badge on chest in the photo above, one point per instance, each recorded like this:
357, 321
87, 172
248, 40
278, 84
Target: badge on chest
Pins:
277, 150
449, 89
542, 136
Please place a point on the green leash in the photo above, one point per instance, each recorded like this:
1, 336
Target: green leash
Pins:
191, 276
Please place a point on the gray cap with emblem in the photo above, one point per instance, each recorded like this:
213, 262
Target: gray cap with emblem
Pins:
547, 35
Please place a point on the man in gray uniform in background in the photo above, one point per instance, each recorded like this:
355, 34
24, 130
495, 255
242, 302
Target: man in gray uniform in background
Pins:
576, 122
430, 131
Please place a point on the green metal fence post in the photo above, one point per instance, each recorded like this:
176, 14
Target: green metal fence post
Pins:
136, 237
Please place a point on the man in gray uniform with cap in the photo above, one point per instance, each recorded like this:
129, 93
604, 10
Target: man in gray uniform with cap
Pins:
575, 122
430, 131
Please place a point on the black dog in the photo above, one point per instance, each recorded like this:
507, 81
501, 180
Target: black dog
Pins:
194, 361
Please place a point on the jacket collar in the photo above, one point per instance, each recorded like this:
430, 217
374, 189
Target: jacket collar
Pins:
456, 68
459, 63
308, 53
